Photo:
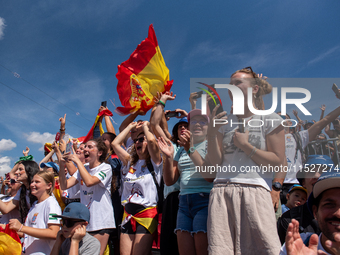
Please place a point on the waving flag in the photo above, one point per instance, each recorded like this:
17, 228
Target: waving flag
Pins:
90, 133
9, 241
141, 76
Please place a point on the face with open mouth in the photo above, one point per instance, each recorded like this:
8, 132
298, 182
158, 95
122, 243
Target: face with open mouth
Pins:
91, 152
198, 126
140, 145
328, 213
80, 152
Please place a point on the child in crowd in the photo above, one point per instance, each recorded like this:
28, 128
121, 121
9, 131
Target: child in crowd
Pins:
297, 195
73, 238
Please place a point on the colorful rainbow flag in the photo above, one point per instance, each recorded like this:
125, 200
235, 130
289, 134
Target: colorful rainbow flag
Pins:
141, 76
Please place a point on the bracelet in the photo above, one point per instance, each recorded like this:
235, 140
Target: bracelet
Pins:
20, 228
161, 102
62, 130
252, 152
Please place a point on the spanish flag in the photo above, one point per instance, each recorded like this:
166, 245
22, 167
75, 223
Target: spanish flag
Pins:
147, 218
90, 133
9, 242
141, 76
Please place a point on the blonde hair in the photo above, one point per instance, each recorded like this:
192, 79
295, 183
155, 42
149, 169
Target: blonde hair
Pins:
264, 87
48, 177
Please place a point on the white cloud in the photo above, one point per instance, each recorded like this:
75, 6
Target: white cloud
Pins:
5, 165
2, 27
36, 137
323, 55
7, 145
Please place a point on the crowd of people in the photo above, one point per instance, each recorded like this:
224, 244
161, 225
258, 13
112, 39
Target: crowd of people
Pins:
105, 196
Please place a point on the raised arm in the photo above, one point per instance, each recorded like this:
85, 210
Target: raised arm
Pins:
88, 179
64, 183
170, 169
157, 118
314, 130
62, 126
123, 155
322, 108
152, 144
295, 112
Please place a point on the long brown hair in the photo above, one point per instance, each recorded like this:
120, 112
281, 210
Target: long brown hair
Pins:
264, 87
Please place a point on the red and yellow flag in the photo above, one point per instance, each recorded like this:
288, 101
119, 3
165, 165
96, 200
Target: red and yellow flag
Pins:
147, 218
141, 76
9, 242
90, 133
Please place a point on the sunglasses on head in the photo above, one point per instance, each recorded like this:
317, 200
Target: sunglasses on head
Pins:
252, 72
140, 139
69, 223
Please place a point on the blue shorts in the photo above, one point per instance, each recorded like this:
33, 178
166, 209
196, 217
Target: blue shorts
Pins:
193, 213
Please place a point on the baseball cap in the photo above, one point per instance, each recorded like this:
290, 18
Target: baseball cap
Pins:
196, 112
75, 211
50, 164
327, 180
297, 187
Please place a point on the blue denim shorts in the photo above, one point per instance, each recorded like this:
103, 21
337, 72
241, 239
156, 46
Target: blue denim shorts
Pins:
193, 213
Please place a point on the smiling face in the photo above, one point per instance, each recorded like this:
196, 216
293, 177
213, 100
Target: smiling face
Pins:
328, 213
39, 187
198, 128
296, 198
21, 173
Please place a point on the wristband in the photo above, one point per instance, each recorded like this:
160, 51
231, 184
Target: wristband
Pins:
20, 228
252, 152
191, 150
62, 130
161, 102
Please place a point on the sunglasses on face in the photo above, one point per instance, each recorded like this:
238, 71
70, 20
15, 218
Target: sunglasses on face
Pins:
69, 223
201, 122
141, 139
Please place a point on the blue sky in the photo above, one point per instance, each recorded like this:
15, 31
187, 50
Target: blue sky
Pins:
66, 53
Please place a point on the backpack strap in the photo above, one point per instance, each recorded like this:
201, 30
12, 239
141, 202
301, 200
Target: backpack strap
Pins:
152, 171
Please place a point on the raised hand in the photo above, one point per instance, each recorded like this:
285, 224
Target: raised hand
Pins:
323, 107
25, 152
79, 233
166, 148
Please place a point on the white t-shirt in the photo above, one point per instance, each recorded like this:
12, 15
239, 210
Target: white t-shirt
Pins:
40, 215
14, 214
237, 167
304, 236
294, 165
98, 198
138, 184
